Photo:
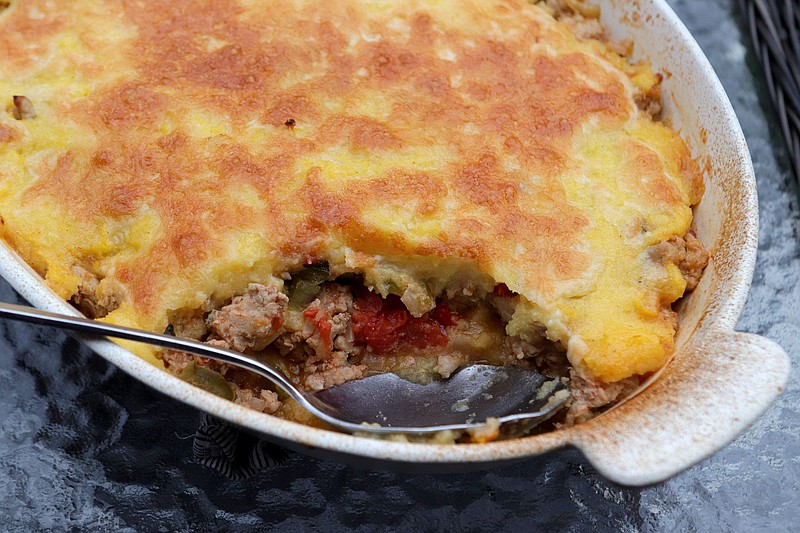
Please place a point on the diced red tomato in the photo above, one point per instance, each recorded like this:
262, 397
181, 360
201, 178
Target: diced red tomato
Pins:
441, 314
323, 326
386, 324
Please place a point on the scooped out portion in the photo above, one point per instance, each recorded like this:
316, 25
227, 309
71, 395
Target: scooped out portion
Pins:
339, 330
326, 330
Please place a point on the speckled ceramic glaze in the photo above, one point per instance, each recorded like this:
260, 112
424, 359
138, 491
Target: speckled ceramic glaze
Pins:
718, 382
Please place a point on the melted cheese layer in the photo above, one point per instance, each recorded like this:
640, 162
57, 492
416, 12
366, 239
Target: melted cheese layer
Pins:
183, 149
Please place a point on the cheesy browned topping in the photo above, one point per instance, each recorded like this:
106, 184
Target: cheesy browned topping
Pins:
181, 150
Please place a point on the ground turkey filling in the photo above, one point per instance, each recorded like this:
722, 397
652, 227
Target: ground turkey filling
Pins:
343, 331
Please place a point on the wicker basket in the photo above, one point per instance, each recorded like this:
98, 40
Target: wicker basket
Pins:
774, 27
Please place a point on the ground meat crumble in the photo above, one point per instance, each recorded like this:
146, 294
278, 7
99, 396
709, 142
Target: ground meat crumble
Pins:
685, 252
590, 395
250, 320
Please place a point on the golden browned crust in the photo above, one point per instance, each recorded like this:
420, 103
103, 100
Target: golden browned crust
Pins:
198, 146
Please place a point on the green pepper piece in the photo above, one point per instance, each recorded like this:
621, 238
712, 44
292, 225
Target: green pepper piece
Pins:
303, 293
208, 380
304, 286
315, 273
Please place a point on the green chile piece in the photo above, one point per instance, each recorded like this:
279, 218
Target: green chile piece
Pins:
208, 380
303, 293
304, 286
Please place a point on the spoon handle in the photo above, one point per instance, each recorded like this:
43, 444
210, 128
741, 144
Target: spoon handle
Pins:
94, 327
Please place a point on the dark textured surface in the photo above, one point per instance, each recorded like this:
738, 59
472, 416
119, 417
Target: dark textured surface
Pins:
83, 446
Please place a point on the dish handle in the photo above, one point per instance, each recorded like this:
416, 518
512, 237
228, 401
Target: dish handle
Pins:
712, 390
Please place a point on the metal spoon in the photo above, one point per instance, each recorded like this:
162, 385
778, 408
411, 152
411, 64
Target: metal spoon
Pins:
384, 403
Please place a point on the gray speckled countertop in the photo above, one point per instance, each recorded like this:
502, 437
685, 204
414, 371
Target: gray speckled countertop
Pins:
83, 446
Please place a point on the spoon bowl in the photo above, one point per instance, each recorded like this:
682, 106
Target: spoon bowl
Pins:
465, 400
383, 403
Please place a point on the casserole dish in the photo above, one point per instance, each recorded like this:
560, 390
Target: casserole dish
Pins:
731, 203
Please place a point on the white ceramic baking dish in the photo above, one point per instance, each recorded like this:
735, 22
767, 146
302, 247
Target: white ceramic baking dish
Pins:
718, 382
